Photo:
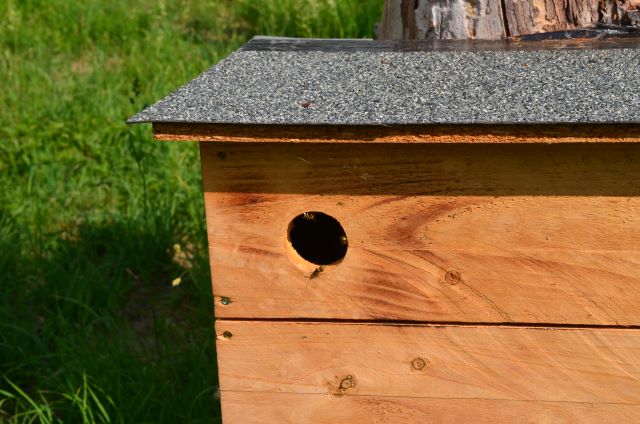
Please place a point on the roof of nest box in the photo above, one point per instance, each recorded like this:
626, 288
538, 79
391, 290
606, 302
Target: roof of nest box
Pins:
365, 82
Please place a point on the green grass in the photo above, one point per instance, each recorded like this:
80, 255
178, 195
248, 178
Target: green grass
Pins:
96, 220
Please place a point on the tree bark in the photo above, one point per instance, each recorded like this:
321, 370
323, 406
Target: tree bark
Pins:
495, 19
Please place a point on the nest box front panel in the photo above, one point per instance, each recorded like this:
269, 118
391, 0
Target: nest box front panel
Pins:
432, 233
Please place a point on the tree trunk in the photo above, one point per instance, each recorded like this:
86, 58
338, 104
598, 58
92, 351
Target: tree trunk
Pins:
495, 19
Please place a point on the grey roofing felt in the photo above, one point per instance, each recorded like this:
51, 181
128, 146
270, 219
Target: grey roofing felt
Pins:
359, 82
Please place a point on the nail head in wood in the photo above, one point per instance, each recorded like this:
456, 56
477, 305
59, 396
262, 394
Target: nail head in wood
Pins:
347, 383
418, 363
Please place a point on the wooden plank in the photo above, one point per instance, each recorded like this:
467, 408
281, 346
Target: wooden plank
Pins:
584, 39
402, 134
283, 408
524, 234
598, 367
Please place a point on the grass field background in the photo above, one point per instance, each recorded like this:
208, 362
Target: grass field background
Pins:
96, 220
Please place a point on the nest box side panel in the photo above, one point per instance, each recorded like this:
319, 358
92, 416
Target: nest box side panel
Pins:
437, 233
316, 372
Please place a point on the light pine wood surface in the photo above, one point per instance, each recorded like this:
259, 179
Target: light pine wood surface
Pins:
285, 408
437, 233
540, 240
319, 372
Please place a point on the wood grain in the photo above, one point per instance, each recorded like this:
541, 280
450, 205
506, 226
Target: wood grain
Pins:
536, 16
437, 233
448, 134
285, 408
585, 39
444, 20
492, 20
410, 371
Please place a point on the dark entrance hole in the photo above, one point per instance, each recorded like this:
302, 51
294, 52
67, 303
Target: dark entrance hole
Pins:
318, 238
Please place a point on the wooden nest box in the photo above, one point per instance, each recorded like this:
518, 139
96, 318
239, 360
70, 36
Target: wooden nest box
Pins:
421, 232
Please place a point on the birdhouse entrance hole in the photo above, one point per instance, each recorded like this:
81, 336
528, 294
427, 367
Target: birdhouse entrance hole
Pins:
318, 238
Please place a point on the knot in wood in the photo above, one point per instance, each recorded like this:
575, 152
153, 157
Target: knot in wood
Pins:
453, 277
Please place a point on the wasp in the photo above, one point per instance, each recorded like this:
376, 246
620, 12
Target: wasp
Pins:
316, 273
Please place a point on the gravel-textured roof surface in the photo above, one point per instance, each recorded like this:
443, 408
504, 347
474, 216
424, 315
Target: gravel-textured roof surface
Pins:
360, 82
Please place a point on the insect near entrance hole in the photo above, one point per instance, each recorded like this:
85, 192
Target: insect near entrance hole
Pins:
318, 238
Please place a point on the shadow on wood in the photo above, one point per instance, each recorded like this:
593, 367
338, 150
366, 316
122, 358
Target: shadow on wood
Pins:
423, 170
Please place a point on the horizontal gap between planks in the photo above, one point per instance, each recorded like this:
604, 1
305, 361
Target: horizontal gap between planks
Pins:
432, 323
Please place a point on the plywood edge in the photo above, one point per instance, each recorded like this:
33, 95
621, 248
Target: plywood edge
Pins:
250, 407
475, 133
